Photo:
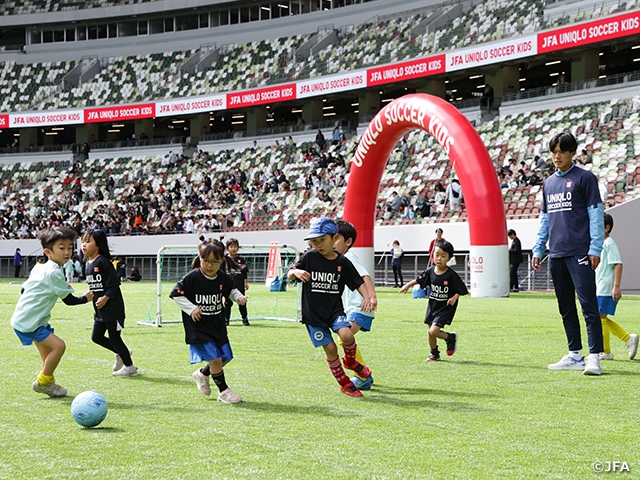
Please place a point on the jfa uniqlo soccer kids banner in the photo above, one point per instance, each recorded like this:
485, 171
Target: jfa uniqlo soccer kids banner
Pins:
332, 84
183, 106
398, 72
120, 113
46, 118
485, 54
589, 32
261, 96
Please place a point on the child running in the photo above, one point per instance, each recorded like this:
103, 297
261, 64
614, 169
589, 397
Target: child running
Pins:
608, 278
108, 305
200, 295
30, 321
446, 288
351, 299
236, 268
324, 274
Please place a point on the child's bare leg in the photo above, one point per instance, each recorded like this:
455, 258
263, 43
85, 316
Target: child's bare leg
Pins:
436, 332
330, 350
216, 365
355, 328
51, 351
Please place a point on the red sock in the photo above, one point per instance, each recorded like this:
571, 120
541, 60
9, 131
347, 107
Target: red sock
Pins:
349, 353
338, 372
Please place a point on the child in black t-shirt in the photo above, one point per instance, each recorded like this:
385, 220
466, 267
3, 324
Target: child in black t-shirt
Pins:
446, 288
324, 273
236, 268
200, 295
108, 303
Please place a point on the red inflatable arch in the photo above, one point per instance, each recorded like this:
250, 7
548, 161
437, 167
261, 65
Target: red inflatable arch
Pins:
471, 161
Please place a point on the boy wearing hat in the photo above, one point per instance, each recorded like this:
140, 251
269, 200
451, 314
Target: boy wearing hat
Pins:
324, 273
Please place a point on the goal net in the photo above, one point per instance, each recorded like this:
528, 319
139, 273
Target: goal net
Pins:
267, 266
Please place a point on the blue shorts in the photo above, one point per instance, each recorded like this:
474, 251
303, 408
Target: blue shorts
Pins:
204, 352
321, 336
361, 319
607, 305
39, 334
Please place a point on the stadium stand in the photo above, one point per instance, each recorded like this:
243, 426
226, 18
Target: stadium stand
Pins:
110, 192
45, 6
22, 85
241, 66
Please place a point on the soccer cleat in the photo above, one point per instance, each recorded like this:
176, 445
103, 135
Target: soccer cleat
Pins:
433, 358
362, 384
452, 341
632, 345
592, 365
568, 363
202, 382
350, 390
362, 370
245, 322
130, 371
53, 389
118, 364
229, 396
606, 356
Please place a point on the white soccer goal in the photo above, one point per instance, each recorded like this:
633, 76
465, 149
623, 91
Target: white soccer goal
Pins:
265, 263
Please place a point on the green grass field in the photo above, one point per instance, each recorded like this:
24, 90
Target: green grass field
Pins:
492, 410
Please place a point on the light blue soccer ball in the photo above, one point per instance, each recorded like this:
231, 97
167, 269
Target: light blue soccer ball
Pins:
89, 409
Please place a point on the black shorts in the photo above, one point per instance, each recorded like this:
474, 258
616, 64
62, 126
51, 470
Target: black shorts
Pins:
439, 320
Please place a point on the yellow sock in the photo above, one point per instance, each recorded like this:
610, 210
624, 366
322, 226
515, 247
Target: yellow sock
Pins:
606, 341
617, 330
45, 380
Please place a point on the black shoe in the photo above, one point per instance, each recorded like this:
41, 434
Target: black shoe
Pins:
245, 322
451, 340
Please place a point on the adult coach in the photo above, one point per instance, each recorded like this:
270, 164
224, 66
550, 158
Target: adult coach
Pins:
515, 259
572, 219
17, 263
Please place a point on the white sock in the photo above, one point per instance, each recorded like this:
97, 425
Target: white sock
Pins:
576, 355
594, 355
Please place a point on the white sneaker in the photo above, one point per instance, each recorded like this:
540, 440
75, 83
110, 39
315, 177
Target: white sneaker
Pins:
228, 396
130, 371
568, 363
53, 389
118, 364
202, 382
606, 356
632, 346
592, 365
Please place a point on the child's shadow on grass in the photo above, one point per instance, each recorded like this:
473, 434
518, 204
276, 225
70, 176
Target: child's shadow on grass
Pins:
315, 410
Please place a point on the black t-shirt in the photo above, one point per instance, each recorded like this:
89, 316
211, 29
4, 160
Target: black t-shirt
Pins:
238, 275
102, 280
443, 287
209, 295
322, 294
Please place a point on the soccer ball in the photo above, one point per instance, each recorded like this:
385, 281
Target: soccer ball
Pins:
89, 409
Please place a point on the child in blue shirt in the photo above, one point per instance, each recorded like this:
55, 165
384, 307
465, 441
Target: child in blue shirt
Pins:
608, 278
45, 285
